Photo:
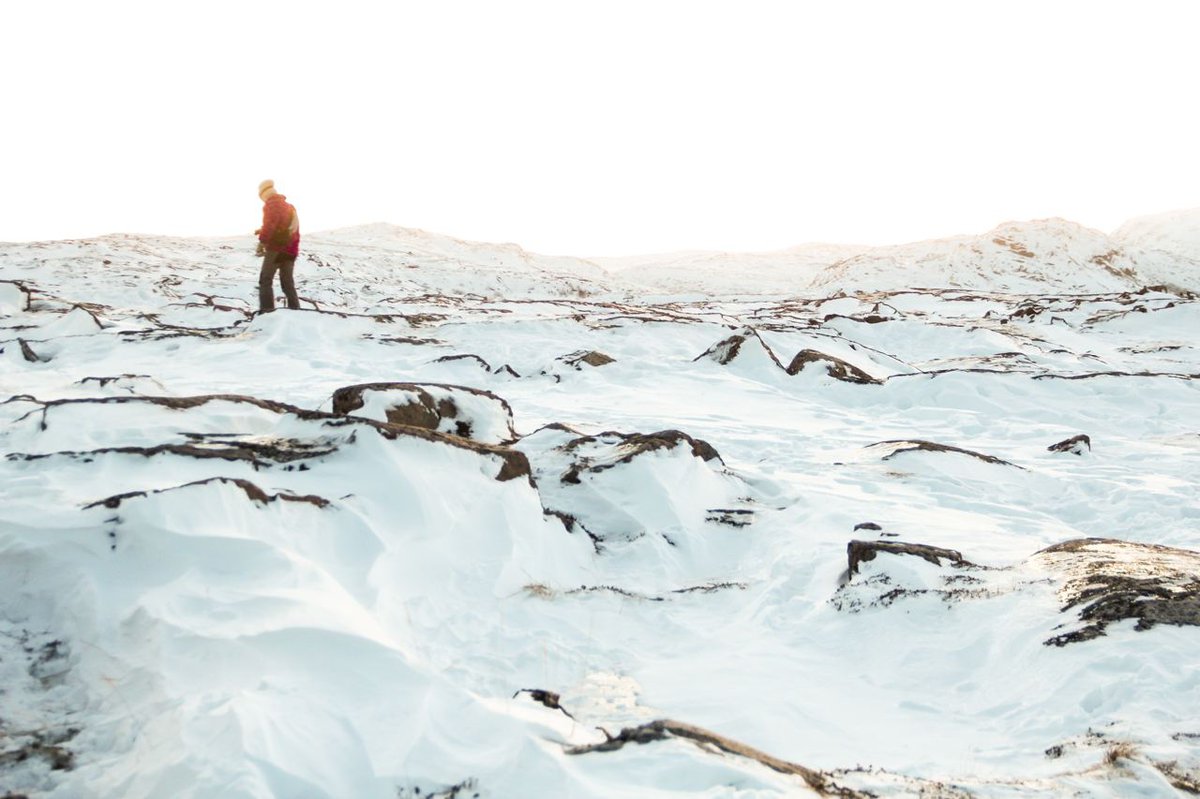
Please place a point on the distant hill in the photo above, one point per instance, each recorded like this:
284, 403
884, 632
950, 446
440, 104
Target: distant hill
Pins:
384, 260
1018, 257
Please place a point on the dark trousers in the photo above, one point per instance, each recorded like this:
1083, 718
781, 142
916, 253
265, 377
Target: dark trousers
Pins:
285, 264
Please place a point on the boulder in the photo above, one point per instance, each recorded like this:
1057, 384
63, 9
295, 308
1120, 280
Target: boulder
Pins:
1076, 445
455, 410
587, 357
1110, 580
836, 367
859, 551
618, 448
745, 340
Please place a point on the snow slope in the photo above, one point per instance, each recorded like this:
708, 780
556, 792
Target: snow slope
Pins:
476, 522
1021, 257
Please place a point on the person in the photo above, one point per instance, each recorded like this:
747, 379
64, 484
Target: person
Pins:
278, 244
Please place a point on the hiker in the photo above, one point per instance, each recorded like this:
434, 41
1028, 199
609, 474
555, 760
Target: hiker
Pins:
279, 244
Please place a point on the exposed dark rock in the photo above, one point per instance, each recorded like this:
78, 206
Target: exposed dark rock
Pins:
912, 445
416, 406
176, 403
87, 308
163, 331
1028, 309
548, 698
837, 368
709, 588
613, 589
570, 521
211, 301
255, 453
705, 588
867, 526
104, 381
589, 357
642, 734
1112, 580
639, 443
734, 517
1076, 445
859, 551
726, 350
464, 357
1016, 247
413, 320
418, 342
467, 789
1090, 375
515, 464
565, 428
630, 445
27, 294
1180, 777
870, 319
57, 757
664, 729
251, 490
28, 354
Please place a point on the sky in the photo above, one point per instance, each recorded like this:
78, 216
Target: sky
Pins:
598, 128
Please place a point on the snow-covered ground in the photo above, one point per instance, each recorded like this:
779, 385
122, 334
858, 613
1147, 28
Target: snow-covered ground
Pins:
478, 522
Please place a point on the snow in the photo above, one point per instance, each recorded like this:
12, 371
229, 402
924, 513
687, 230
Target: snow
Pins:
216, 585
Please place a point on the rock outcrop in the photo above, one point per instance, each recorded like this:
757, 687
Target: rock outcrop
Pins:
1110, 581
455, 410
834, 366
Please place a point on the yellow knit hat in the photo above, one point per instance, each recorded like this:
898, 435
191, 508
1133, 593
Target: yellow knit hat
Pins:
265, 186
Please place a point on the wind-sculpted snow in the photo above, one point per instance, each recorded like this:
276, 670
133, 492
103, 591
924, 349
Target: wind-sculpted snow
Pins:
479, 522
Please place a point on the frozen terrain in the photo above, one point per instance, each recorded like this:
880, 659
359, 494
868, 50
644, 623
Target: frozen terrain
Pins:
915, 521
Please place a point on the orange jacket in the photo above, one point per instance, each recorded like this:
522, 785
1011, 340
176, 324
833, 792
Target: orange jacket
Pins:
280, 230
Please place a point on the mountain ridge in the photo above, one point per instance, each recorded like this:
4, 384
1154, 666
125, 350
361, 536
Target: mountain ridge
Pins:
1051, 254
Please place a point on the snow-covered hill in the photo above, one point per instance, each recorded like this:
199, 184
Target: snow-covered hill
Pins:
1019, 257
1175, 235
480, 523
1047, 255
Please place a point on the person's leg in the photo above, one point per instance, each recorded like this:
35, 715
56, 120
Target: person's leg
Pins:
287, 267
266, 279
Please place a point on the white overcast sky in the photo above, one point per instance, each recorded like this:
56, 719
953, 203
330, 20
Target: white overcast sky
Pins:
598, 128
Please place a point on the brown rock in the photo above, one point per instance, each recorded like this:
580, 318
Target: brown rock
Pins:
1074, 445
859, 551
1112, 580
416, 406
630, 445
590, 357
726, 350
836, 367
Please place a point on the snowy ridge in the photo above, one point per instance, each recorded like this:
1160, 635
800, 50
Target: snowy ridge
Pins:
1176, 234
1020, 257
1046, 255
476, 522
